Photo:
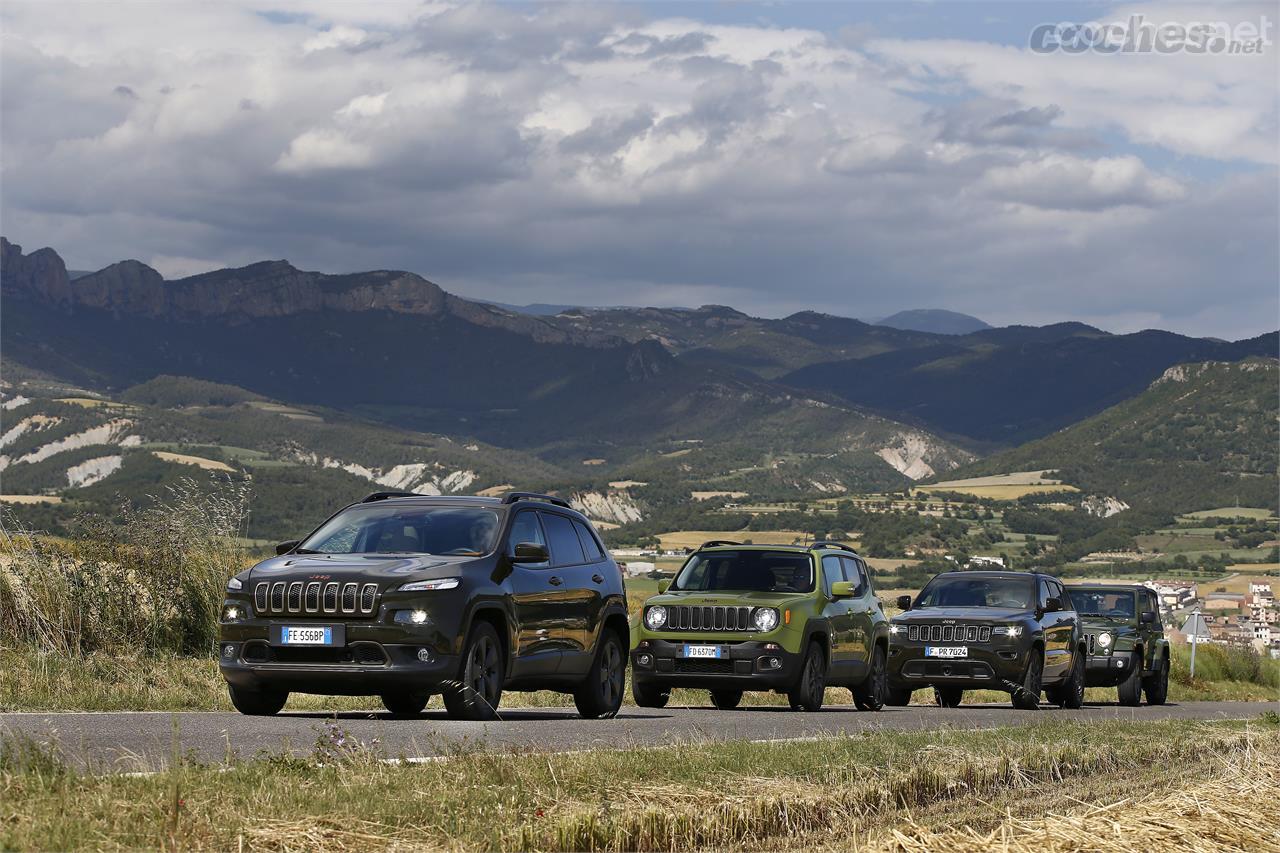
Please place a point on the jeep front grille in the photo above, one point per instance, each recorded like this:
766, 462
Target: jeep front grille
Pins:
949, 633
688, 617
314, 597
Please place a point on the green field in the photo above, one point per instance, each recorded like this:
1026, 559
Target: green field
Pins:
1231, 512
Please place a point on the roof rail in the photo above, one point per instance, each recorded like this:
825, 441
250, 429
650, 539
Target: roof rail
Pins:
512, 497
382, 496
827, 543
712, 543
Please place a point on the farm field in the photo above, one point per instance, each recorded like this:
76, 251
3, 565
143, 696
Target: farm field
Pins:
1231, 512
1005, 487
694, 538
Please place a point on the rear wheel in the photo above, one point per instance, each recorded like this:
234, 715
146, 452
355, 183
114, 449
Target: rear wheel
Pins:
726, 700
872, 694
479, 687
1130, 690
948, 697
257, 703
1028, 697
1157, 686
406, 703
897, 697
650, 695
808, 693
600, 693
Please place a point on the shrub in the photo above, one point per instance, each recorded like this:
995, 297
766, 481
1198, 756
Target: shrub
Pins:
148, 580
1217, 662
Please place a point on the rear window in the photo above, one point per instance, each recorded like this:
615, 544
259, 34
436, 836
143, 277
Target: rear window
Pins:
589, 544
746, 571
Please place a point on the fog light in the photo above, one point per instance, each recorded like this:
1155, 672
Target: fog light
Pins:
771, 663
232, 613
228, 651
412, 617
644, 660
1119, 663
425, 655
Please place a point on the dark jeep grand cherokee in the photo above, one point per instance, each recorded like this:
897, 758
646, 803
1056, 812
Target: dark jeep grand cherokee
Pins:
405, 595
1011, 631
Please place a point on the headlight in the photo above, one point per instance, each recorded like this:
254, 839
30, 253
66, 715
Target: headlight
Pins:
412, 617
1104, 640
437, 584
232, 613
895, 630
234, 585
1013, 632
765, 619
655, 617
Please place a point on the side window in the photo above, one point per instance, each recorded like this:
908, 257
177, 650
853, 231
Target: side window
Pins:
832, 571
566, 550
590, 545
854, 571
524, 529
1046, 592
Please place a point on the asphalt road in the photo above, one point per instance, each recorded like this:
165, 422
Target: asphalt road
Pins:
139, 741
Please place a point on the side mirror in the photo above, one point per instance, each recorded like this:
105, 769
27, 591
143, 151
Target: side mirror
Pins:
1052, 605
530, 552
842, 589
663, 586
1148, 616
904, 602
286, 547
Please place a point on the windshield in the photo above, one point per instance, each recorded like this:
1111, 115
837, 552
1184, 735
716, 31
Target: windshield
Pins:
961, 591
1101, 602
465, 531
747, 571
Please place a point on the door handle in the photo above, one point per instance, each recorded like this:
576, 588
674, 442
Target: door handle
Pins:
554, 581
598, 578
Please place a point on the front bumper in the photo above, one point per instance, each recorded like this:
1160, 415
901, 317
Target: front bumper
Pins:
372, 658
748, 665
1106, 670
988, 666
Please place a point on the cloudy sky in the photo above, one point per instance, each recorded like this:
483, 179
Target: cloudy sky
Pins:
854, 158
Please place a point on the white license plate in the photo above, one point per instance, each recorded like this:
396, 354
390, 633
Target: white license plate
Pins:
702, 651
295, 636
946, 651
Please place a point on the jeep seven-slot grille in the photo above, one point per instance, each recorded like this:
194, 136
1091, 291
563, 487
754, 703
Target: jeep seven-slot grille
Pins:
314, 597
688, 617
949, 633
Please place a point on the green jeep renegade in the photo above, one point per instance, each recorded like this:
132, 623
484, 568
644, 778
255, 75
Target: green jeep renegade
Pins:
793, 619
1127, 647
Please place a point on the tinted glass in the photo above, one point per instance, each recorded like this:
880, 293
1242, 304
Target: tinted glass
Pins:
590, 546
977, 591
747, 571
1045, 592
566, 550
389, 529
525, 529
1097, 602
854, 571
832, 571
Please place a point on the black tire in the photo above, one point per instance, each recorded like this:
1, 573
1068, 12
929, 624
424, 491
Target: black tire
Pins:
257, 703
649, 695
898, 697
480, 679
406, 703
599, 696
948, 697
873, 693
1070, 694
1129, 692
1157, 686
726, 700
1028, 698
811, 687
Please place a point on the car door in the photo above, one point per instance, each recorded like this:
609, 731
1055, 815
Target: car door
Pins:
1057, 628
840, 621
862, 608
573, 592
534, 600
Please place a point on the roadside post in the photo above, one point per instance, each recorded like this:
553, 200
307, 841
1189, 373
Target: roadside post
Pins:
1193, 628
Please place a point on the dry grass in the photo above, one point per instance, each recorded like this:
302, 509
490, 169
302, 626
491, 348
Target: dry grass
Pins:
198, 461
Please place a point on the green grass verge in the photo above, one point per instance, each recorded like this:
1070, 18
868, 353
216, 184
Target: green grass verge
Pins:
348, 796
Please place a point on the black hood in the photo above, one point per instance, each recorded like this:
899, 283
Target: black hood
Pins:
967, 615
382, 569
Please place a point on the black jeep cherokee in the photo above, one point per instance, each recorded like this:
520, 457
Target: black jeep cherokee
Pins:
406, 595
1010, 631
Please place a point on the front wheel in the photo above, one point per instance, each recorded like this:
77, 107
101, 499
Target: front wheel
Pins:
479, 688
1027, 697
726, 700
1070, 694
808, 693
406, 703
872, 693
1157, 686
600, 693
1130, 690
649, 696
898, 697
257, 703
